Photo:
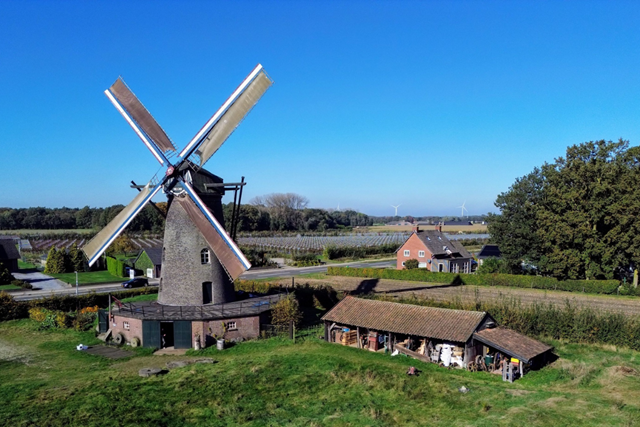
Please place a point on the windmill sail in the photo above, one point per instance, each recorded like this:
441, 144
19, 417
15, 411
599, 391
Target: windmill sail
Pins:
136, 114
108, 234
227, 252
241, 101
230, 120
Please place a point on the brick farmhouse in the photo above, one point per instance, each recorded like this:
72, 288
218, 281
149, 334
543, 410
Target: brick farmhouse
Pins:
435, 252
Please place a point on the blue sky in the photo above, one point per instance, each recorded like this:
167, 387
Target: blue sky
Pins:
422, 104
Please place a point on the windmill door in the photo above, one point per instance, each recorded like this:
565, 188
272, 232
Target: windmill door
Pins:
151, 334
103, 321
182, 334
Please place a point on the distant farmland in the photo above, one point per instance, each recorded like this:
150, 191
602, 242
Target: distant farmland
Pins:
297, 243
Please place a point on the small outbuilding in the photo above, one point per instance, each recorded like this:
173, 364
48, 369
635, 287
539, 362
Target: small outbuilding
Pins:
150, 262
464, 339
9, 254
489, 251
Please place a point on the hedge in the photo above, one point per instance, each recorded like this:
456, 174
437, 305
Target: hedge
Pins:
115, 267
12, 309
508, 280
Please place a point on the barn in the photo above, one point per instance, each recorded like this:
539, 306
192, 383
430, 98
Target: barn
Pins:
458, 338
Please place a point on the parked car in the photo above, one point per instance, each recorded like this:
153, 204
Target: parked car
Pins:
136, 283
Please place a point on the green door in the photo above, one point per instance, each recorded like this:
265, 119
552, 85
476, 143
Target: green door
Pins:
151, 333
103, 321
182, 334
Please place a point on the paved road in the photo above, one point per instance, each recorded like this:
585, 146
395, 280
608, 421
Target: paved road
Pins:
249, 275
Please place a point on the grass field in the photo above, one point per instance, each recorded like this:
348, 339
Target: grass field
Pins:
26, 265
89, 278
9, 287
45, 381
475, 228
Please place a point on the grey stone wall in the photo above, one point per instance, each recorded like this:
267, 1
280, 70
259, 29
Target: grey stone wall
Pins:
182, 271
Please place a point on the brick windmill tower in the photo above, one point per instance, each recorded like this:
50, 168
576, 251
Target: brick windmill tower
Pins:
200, 260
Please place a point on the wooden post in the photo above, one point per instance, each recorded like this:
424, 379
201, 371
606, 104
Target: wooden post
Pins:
510, 372
358, 335
504, 370
390, 342
521, 369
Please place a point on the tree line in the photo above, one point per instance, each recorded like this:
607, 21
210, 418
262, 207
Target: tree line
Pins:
273, 212
575, 218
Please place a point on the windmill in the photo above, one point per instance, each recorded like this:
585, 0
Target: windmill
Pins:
396, 208
462, 209
191, 274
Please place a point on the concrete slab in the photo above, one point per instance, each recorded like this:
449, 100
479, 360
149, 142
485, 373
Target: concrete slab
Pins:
42, 281
170, 351
109, 352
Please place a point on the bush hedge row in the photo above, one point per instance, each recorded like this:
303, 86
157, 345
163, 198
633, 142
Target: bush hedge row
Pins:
336, 252
509, 280
115, 267
12, 309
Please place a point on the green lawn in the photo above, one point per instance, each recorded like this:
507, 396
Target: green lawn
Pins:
148, 297
45, 381
25, 265
9, 287
89, 277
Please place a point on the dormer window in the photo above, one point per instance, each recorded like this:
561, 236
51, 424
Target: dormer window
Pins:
204, 256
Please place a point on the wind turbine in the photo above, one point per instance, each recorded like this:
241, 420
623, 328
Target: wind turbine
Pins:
396, 208
462, 209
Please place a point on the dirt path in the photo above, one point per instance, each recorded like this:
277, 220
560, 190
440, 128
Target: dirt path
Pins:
444, 292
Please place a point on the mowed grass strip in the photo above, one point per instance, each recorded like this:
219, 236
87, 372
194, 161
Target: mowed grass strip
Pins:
89, 278
45, 381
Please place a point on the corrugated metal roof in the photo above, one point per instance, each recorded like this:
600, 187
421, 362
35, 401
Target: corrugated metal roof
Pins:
514, 344
439, 323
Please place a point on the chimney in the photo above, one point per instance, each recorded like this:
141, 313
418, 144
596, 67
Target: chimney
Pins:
439, 227
416, 228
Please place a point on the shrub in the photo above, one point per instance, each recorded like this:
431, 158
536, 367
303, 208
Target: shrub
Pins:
5, 275
22, 284
410, 264
12, 309
508, 280
38, 314
493, 265
115, 267
84, 321
285, 311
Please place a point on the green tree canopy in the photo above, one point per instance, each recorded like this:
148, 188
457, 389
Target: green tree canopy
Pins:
577, 217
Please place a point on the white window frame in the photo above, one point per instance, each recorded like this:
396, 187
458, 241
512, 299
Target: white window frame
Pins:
232, 326
205, 256
420, 254
126, 326
407, 252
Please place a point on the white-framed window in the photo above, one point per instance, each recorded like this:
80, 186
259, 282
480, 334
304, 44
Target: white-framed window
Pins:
126, 325
403, 263
204, 256
422, 265
231, 326
407, 252
421, 254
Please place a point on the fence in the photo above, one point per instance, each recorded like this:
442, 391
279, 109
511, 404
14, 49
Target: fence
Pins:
165, 312
291, 332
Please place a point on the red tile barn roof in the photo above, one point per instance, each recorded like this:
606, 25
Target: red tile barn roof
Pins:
431, 322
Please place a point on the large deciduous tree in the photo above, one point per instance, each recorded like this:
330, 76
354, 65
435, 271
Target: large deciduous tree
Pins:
576, 218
